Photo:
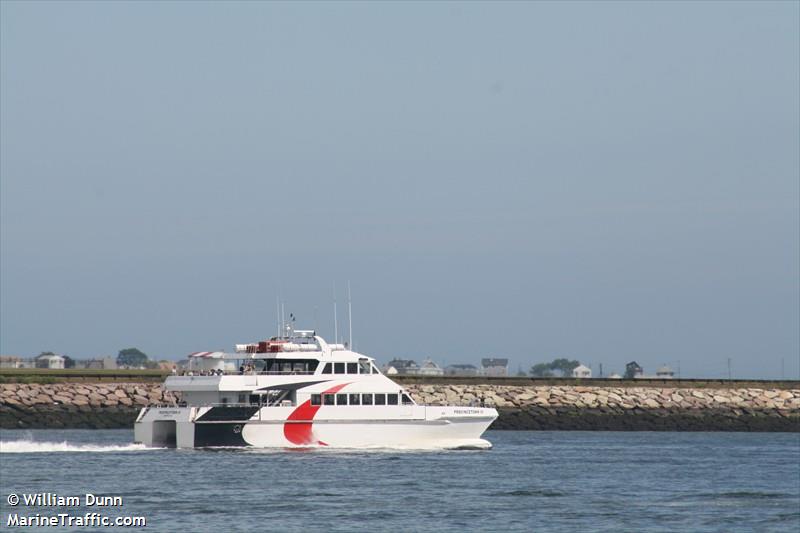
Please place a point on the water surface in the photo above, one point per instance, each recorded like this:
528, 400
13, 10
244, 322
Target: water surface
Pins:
553, 481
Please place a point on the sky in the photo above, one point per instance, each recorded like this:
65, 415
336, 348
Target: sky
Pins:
600, 181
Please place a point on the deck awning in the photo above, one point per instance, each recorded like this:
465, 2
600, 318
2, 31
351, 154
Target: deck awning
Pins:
207, 355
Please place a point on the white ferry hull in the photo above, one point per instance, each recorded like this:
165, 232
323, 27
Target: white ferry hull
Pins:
419, 427
378, 434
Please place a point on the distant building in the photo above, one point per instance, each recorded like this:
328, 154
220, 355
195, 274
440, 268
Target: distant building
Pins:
461, 370
10, 361
429, 368
405, 367
104, 363
665, 372
52, 361
581, 371
633, 370
614, 376
494, 366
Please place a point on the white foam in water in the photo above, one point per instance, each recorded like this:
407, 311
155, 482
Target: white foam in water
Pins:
31, 446
477, 444
28, 445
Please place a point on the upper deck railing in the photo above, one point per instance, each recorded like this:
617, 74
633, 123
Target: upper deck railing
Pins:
209, 373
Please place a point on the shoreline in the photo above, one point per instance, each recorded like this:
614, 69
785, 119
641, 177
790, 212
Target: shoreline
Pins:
563, 407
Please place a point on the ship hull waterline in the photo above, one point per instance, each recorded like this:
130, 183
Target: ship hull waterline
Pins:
192, 427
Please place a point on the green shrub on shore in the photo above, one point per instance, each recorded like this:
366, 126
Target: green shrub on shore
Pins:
28, 379
42, 375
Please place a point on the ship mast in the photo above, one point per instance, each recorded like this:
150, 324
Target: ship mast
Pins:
335, 319
350, 314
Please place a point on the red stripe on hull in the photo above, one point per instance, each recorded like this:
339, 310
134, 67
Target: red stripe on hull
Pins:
301, 433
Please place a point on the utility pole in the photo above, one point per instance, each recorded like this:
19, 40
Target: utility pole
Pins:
729, 368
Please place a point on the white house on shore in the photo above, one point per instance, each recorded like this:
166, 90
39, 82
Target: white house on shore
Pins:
581, 371
665, 372
461, 370
10, 361
51, 361
407, 367
494, 366
429, 368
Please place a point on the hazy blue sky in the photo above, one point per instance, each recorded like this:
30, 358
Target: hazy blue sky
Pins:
599, 181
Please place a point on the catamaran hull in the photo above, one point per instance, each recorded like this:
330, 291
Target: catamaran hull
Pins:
422, 428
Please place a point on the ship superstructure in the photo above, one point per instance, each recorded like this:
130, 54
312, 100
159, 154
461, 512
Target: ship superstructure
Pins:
298, 390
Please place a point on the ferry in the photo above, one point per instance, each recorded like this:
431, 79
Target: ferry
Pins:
296, 390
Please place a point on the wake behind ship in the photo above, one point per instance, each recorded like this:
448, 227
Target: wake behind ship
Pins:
299, 391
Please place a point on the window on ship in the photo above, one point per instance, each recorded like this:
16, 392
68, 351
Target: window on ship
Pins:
273, 398
287, 366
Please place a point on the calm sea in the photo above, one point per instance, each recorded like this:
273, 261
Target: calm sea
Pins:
546, 481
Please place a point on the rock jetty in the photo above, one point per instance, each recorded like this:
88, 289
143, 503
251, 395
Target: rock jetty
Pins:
626, 408
567, 407
71, 405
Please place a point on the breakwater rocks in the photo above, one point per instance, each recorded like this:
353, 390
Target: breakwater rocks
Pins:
70, 405
625, 408
115, 405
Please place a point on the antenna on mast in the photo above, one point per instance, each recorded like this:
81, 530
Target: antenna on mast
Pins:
350, 314
335, 319
283, 320
278, 314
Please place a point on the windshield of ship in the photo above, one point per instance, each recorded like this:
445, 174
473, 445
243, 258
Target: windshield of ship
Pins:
282, 366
